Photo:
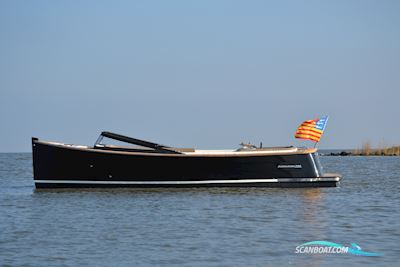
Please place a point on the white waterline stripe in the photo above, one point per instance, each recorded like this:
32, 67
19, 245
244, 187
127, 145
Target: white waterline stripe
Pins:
285, 180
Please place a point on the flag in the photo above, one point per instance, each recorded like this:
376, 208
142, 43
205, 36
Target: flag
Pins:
312, 129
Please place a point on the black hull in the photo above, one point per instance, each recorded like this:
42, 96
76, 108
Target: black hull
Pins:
62, 166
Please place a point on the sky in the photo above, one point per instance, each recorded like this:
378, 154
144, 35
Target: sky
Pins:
204, 74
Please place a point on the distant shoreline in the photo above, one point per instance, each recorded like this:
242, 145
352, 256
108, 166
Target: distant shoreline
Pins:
365, 151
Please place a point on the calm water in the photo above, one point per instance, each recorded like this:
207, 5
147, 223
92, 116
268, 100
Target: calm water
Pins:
200, 227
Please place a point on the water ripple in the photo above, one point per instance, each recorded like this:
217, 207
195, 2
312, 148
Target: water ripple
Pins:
200, 227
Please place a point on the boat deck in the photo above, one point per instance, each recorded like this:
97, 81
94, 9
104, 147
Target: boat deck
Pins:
190, 151
271, 150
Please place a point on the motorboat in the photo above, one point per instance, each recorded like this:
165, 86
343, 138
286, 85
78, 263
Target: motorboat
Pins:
140, 163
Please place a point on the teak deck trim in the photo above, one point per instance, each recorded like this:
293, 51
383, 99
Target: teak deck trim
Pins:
228, 154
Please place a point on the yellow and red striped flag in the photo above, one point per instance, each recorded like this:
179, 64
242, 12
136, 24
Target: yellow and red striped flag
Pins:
312, 129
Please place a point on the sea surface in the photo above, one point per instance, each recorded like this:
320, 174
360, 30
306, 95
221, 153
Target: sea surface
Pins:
201, 227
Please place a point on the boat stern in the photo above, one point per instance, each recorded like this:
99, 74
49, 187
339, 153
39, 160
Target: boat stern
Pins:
331, 178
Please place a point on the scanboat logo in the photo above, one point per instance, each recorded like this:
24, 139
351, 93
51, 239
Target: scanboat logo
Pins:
326, 247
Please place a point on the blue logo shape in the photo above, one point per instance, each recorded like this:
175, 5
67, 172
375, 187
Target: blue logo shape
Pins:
353, 249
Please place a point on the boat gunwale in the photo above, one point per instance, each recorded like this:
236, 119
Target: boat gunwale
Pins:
239, 154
